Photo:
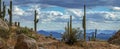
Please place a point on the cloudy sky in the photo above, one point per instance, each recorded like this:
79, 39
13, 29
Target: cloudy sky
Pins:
54, 14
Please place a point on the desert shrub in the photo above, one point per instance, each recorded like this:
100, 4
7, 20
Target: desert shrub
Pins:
23, 30
34, 37
71, 37
27, 32
115, 39
4, 33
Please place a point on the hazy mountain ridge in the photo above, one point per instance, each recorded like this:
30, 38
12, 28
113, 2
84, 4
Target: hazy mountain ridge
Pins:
102, 34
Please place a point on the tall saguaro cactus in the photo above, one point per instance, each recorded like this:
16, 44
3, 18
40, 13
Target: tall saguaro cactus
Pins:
84, 23
95, 33
10, 13
35, 20
2, 13
0, 7
70, 24
4, 10
68, 28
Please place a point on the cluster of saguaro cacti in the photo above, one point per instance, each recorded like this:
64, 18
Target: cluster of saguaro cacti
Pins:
69, 31
17, 24
93, 38
2, 13
84, 23
10, 13
35, 20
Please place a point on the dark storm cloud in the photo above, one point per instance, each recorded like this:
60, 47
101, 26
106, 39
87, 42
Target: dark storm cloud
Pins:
69, 3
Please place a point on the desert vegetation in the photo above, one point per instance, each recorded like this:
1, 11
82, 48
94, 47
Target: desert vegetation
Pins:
14, 36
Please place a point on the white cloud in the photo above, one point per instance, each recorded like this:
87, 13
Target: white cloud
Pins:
116, 8
50, 17
18, 11
112, 16
55, 13
65, 17
76, 12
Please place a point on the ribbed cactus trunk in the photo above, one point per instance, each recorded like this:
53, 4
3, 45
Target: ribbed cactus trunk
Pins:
4, 10
15, 24
68, 28
18, 24
70, 24
35, 20
71, 41
95, 33
84, 23
0, 5
0, 9
10, 13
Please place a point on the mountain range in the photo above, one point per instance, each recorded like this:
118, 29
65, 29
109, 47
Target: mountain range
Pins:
102, 34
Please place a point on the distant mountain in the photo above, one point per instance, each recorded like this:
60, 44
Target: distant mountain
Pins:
101, 34
47, 33
102, 31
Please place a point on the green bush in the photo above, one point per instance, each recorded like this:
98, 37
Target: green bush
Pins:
71, 37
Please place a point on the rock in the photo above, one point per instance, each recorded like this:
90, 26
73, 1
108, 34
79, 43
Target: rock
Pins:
4, 29
1, 43
3, 25
25, 42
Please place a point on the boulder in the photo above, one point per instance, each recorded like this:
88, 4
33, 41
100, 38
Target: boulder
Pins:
3, 25
25, 42
2, 44
3, 29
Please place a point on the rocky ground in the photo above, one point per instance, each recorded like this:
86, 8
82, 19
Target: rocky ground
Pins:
24, 38
89, 45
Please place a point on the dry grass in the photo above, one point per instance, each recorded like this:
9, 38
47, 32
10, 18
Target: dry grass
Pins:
89, 45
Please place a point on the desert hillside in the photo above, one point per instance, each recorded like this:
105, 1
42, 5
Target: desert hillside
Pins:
115, 39
18, 37
78, 23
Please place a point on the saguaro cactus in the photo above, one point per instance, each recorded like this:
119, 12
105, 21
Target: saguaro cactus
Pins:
84, 23
68, 27
2, 13
10, 13
95, 33
4, 10
0, 8
35, 20
70, 24
15, 24
18, 24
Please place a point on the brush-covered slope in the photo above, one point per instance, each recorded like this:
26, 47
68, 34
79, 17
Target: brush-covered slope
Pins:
115, 39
